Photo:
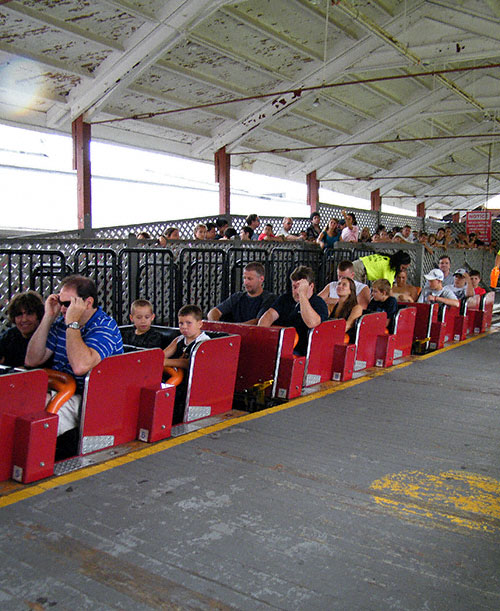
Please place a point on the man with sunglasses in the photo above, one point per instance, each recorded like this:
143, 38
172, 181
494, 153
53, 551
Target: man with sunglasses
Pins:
78, 334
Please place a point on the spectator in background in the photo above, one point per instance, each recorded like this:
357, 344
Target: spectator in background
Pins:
350, 232
475, 278
284, 232
246, 233
267, 234
462, 240
25, 311
432, 240
222, 225
143, 235
449, 240
440, 237
172, 233
253, 221
444, 265
365, 235
211, 231
230, 233
200, 232
313, 231
381, 236
423, 239
329, 235
162, 241
406, 233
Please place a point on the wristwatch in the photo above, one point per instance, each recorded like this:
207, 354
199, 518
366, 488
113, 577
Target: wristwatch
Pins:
74, 325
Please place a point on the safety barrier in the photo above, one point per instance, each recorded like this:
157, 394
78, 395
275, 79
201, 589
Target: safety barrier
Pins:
172, 277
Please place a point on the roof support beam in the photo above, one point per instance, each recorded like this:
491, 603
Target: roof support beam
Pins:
222, 176
375, 200
81, 163
312, 191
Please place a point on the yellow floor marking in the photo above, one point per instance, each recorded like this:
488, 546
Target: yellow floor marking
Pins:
61, 480
451, 499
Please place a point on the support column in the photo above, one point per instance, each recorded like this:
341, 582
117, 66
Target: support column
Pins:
456, 217
81, 163
312, 191
222, 175
376, 200
421, 210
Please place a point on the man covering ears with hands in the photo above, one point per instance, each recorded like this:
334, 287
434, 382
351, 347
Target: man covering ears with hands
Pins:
78, 334
301, 309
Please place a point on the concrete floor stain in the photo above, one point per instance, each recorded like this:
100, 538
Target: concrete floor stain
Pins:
449, 499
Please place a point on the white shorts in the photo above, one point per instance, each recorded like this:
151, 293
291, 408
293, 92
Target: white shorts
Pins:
69, 414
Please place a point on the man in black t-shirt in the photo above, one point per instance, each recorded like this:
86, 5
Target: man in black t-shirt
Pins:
302, 309
248, 305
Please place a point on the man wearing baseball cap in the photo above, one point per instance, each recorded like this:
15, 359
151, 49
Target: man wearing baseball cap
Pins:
462, 285
435, 292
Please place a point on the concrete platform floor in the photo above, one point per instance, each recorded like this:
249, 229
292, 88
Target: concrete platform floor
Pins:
384, 494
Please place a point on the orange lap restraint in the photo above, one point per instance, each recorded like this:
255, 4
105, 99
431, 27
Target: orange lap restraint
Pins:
64, 384
176, 375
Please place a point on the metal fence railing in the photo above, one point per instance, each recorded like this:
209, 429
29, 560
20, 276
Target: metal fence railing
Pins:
202, 273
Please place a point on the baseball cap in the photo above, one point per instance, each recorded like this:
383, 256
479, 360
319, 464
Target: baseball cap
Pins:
460, 271
434, 274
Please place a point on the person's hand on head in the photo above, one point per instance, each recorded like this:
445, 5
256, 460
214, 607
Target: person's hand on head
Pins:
75, 310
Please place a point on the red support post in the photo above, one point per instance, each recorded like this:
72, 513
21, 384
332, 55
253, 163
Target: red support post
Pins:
421, 210
222, 175
81, 163
376, 200
456, 217
312, 191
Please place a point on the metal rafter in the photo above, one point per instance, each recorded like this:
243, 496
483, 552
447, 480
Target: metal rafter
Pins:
231, 134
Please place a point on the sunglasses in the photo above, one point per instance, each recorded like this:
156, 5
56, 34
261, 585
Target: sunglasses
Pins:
66, 304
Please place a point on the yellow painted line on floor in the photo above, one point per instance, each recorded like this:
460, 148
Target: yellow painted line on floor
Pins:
62, 480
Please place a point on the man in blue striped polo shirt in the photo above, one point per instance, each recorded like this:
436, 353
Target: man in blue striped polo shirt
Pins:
78, 334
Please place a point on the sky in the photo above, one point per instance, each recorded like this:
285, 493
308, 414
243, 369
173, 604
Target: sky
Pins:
132, 186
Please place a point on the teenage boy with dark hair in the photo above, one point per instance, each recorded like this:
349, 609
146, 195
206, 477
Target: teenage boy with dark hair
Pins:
301, 309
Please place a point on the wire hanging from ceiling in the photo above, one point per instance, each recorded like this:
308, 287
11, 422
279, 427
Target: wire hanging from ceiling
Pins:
296, 93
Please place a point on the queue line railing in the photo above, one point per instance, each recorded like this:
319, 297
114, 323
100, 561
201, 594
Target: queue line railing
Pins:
206, 276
